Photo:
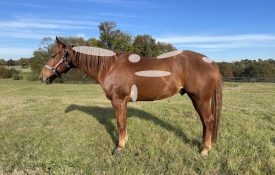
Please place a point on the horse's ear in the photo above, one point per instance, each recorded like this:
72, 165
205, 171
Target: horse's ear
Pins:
60, 43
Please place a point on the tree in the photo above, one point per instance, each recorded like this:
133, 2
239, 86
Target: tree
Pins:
39, 59
225, 69
94, 42
146, 45
11, 62
114, 39
258, 69
2, 62
164, 47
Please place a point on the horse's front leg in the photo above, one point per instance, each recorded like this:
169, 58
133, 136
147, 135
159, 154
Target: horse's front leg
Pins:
120, 107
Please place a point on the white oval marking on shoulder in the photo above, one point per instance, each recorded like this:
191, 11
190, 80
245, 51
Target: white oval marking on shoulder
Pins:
152, 73
95, 51
169, 54
207, 60
134, 92
134, 58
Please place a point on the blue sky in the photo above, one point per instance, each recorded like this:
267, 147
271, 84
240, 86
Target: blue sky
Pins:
224, 30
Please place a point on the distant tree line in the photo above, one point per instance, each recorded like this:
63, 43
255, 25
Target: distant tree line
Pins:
23, 62
250, 69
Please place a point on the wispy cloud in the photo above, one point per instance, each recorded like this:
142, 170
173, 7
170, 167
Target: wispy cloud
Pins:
113, 2
23, 4
39, 28
221, 41
18, 52
46, 24
27, 34
217, 38
118, 15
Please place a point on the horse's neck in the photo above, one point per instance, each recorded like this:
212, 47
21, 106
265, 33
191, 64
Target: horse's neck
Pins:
94, 72
89, 71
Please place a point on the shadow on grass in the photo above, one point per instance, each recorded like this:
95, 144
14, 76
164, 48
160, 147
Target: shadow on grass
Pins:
105, 115
273, 140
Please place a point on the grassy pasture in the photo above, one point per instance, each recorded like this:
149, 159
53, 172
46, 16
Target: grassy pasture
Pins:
71, 129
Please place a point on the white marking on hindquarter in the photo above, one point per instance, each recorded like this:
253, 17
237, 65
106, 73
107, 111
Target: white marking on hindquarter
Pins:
95, 51
134, 93
152, 73
206, 59
169, 54
134, 58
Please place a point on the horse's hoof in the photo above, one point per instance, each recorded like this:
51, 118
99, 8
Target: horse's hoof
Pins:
117, 151
204, 153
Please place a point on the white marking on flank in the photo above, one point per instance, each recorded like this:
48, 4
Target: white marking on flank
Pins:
205, 59
152, 73
134, 58
169, 54
134, 92
95, 51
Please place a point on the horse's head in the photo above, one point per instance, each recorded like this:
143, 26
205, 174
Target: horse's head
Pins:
58, 64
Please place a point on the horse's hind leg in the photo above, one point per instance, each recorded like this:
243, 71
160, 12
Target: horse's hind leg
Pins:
120, 107
203, 107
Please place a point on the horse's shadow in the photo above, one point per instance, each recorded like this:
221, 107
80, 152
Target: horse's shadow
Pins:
105, 115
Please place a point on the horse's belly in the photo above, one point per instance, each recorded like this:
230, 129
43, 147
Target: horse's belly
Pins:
156, 89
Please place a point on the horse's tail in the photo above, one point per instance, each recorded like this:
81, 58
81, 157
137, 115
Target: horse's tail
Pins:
216, 106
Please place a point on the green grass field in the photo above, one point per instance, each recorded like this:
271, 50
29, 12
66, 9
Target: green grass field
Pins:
71, 129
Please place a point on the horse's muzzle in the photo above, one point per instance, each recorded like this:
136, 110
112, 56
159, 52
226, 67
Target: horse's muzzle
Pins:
45, 80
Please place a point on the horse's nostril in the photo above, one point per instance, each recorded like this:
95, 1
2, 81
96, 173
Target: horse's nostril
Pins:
47, 81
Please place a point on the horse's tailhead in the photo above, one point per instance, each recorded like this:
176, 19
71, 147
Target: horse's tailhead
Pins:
58, 64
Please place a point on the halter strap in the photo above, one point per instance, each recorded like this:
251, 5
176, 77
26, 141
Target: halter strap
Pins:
63, 59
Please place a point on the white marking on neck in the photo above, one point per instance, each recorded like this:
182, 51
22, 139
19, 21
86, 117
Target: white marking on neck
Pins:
152, 73
134, 92
134, 58
169, 54
207, 60
95, 51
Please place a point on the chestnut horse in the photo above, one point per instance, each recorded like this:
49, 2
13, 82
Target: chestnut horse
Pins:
127, 77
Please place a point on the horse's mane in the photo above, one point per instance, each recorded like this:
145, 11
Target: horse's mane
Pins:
93, 62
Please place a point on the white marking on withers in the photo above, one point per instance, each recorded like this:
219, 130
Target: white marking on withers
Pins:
134, 58
134, 92
169, 54
207, 60
95, 51
152, 73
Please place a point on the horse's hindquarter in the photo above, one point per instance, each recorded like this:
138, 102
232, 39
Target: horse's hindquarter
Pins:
201, 74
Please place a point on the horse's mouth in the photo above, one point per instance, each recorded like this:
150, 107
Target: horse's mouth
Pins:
46, 80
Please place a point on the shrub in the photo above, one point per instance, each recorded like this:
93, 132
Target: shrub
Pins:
7, 73
33, 77
17, 77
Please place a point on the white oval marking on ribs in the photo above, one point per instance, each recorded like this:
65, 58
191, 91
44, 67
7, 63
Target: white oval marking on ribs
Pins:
169, 54
95, 51
152, 73
206, 59
134, 92
134, 58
